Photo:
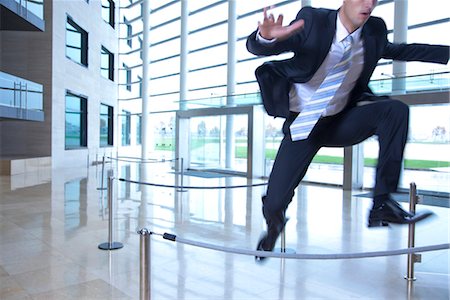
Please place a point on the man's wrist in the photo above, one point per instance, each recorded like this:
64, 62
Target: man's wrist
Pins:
262, 40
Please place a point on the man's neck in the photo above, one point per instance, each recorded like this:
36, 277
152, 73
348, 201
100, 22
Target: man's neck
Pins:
346, 22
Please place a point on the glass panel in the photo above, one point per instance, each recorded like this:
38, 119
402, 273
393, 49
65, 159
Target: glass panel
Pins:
73, 130
427, 153
75, 122
165, 14
138, 129
326, 167
208, 143
73, 42
106, 64
164, 129
126, 128
7, 89
106, 10
104, 125
19, 92
34, 6
76, 42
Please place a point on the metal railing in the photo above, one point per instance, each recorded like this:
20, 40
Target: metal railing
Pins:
20, 93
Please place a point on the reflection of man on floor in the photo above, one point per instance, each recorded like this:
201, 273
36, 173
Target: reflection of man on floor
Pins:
323, 93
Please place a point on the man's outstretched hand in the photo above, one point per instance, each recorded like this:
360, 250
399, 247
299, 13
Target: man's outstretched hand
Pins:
271, 29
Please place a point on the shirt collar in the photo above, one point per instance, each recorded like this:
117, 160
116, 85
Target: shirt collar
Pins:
342, 33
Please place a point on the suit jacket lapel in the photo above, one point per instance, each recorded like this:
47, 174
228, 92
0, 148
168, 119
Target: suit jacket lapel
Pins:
327, 35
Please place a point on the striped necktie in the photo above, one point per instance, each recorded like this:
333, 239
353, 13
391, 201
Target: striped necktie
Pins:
310, 114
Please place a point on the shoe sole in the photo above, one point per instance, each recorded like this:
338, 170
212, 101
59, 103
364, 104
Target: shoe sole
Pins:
416, 218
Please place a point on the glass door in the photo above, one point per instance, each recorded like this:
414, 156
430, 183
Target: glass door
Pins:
219, 143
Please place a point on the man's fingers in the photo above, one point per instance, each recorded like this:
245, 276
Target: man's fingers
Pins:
265, 13
280, 20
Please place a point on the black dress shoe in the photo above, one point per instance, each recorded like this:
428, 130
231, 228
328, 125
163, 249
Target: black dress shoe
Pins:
391, 212
269, 238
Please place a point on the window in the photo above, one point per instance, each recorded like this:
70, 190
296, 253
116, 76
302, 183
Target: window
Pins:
140, 47
139, 130
108, 11
126, 127
76, 121
129, 32
106, 125
127, 77
107, 64
140, 86
76, 43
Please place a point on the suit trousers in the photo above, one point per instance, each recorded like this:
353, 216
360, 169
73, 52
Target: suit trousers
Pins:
386, 118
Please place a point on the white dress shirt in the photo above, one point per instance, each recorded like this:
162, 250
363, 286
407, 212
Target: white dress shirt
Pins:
301, 93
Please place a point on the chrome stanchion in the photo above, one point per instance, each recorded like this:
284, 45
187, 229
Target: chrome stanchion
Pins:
144, 283
412, 257
102, 178
283, 248
181, 164
110, 245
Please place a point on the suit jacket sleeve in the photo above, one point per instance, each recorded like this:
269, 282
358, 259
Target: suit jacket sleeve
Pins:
279, 47
417, 52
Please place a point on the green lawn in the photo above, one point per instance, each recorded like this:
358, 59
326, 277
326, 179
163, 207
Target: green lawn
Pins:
241, 152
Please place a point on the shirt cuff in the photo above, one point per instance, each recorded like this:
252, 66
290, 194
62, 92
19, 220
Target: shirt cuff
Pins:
262, 40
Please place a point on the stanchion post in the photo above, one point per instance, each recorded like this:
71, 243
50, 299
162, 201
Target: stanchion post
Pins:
110, 245
102, 178
181, 164
412, 257
283, 241
144, 280
283, 248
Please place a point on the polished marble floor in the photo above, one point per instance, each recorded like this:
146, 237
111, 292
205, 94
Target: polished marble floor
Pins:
51, 224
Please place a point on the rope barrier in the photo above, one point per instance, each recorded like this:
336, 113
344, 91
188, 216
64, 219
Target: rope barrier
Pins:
174, 238
193, 187
139, 160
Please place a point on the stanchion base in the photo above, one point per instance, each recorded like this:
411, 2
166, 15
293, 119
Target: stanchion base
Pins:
110, 246
287, 250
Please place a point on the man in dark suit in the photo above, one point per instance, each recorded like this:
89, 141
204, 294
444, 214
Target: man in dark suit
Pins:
319, 38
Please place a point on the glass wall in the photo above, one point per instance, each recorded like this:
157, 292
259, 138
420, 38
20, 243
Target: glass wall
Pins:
207, 64
126, 127
427, 153
208, 142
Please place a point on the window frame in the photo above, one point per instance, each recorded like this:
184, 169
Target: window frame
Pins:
111, 12
110, 125
127, 77
126, 128
110, 68
129, 32
84, 40
82, 112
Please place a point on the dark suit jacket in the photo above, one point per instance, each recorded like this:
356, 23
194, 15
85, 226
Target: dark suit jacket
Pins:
311, 46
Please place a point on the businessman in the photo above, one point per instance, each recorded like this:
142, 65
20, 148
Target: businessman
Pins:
323, 93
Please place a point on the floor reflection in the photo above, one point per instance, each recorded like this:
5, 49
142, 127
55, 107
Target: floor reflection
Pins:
49, 235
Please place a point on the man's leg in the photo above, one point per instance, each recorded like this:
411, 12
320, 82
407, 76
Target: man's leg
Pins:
388, 119
291, 164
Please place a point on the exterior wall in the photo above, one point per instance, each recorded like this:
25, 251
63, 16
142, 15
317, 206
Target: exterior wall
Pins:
41, 57
28, 55
86, 81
